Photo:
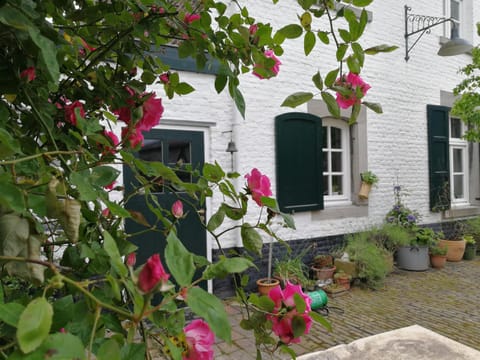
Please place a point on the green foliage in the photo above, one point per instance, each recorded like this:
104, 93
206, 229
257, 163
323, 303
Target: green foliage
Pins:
93, 63
369, 177
438, 250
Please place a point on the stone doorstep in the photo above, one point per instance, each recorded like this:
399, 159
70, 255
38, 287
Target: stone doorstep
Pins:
412, 342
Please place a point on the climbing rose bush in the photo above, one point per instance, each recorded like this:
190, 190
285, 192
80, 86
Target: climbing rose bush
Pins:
269, 54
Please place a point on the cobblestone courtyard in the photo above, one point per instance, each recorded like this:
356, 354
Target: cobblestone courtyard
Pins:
444, 301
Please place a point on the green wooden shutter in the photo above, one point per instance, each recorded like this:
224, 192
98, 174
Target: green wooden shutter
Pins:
438, 157
298, 145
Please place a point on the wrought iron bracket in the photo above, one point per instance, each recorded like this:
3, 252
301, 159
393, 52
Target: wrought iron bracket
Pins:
419, 24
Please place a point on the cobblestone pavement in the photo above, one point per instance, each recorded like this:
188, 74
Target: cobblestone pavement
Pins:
445, 301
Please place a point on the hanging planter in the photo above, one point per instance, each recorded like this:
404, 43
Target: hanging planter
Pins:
368, 180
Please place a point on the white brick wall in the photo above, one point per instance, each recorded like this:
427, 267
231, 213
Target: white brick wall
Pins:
397, 139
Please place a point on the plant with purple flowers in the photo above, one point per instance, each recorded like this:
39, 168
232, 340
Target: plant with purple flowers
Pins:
400, 214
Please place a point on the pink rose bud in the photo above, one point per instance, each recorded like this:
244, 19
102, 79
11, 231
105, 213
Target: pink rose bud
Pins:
165, 78
152, 274
189, 18
28, 73
253, 29
131, 259
177, 209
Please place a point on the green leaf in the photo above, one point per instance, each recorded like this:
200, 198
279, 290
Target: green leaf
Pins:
117, 210
358, 51
82, 181
323, 36
320, 319
380, 49
103, 175
216, 220
226, 266
291, 31
183, 88
299, 303
48, 53
373, 106
289, 221
354, 115
133, 352
213, 172
10, 313
331, 104
211, 309
331, 77
361, 3
309, 42
220, 83
345, 35
270, 203
179, 260
8, 144
297, 99
298, 326
341, 51
251, 239
317, 80
12, 197
109, 350
353, 64
234, 213
34, 324
238, 98
111, 248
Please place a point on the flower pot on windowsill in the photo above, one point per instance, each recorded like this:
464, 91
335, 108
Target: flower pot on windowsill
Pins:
264, 285
364, 190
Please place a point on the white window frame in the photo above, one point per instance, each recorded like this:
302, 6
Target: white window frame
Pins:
461, 144
344, 198
460, 22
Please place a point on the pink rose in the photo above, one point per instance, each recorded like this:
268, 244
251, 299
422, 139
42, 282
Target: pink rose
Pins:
177, 209
152, 274
165, 78
258, 185
352, 82
274, 69
131, 259
285, 311
113, 140
189, 18
133, 136
152, 112
200, 340
70, 115
28, 73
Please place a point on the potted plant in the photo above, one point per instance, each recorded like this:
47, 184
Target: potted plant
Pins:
415, 255
292, 269
343, 279
368, 180
438, 256
470, 247
456, 243
323, 267
264, 285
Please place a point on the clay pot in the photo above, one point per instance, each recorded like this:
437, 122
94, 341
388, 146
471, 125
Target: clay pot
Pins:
343, 281
438, 261
266, 284
456, 248
323, 273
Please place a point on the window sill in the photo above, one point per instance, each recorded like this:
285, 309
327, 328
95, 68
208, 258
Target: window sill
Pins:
461, 211
340, 211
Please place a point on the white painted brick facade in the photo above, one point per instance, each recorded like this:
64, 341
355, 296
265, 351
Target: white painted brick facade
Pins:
397, 139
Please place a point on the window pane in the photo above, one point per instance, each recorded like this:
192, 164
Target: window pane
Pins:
325, 161
457, 160
336, 138
455, 128
455, 9
458, 187
179, 152
337, 161
324, 135
152, 151
337, 185
325, 185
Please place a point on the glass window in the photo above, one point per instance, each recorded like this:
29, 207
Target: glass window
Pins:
336, 162
458, 163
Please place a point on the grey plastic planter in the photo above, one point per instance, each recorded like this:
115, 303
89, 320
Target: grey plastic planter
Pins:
414, 258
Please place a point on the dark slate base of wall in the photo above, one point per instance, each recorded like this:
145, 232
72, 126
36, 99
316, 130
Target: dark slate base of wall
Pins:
224, 288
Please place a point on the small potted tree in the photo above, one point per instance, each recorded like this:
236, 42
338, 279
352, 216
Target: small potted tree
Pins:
470, 248
368, 180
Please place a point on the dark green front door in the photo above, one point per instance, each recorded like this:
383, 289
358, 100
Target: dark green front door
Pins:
171, 147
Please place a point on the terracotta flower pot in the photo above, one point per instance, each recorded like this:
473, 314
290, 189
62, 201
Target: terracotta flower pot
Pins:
438, 261
456, 248
343, 281
266, 284
323, 273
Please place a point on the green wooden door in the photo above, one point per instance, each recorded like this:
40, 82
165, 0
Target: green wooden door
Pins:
171, 147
